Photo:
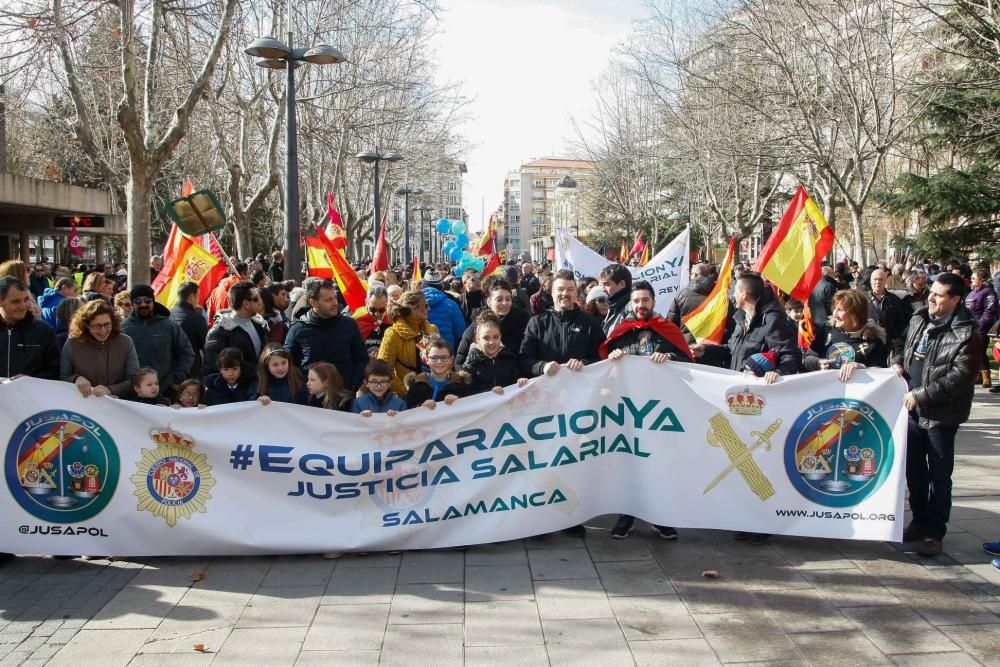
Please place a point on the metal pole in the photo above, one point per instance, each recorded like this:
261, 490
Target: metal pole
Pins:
378, 220
406, 227
293, 261
421, 235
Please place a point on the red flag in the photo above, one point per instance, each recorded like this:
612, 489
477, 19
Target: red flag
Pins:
416, 273
492, 265
380, 262
806, 333
74, 242
638, 246
188, 188
335, 234
487, 244
622, 256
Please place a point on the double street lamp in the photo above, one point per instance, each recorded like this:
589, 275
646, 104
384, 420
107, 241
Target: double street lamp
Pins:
278, 55
406, 191
376, 156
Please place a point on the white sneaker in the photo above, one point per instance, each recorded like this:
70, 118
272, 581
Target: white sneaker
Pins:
333, 555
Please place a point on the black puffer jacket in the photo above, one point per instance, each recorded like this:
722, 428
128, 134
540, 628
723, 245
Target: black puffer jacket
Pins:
954, 349
821, 300
892, 314
227, 333
769, 330
867, 346
502, 370
29, 348
512, 327
689, 298
336, 340
193, 323
560, 335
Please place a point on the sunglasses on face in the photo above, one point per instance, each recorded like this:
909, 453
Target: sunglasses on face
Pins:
601, 299
142, 301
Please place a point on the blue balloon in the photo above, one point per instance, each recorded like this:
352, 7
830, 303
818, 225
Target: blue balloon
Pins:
458, 228
446, 248
479, 263
443, 226
458, 271
462, 241
455, 254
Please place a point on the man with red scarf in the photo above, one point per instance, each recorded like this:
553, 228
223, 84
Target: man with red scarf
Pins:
646, 334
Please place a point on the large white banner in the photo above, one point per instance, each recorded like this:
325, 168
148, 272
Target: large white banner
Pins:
706, 448
667, 271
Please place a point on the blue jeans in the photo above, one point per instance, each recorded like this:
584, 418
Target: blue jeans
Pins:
930, 460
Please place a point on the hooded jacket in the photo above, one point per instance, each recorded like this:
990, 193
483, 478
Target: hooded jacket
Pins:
419, 387
446, 315
48, 302
769, 330
335, 340
619, 308
500, 370
29, 348
401, 347
559, 335
982, 303
954, 349
228, 333
111, 363
868, 345
192, 323
512, 326
160, 344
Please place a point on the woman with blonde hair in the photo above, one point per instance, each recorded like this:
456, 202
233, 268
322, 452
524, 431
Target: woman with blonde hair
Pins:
850, 340
96, 286
98, 358
407, 338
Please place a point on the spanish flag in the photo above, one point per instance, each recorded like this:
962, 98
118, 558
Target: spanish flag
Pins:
645, 256
806, 333
623, 255
792, 258
334, 230
492, 265
708, 321
327, 262
416, 274
487, 243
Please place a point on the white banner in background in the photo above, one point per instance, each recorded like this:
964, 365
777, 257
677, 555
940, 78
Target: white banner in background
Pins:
668, 271
709, 449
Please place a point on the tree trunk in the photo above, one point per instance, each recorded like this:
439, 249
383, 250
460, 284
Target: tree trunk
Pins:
244, 246
139, 200
859, 237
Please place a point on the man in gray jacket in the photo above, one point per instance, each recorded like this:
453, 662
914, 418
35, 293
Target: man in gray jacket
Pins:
159, 342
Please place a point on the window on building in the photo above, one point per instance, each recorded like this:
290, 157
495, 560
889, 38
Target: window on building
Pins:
452, 186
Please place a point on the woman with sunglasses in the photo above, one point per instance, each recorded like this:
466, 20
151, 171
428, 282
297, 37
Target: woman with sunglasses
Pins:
98, 358
597, 305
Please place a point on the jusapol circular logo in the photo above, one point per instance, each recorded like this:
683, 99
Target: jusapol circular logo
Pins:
61, 467
839, 452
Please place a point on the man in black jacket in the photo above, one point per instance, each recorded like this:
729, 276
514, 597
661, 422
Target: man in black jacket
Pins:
821, 298
27, 346
159, 342
323, 334
188, 315
939, 361
616, 280
888, 310
692, 296
564, 335
241, 327
529, 281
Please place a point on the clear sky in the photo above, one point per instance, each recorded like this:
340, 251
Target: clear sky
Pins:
528, 65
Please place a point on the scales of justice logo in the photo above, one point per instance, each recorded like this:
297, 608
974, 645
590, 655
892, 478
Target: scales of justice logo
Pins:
61, 466
172, 481
839, 452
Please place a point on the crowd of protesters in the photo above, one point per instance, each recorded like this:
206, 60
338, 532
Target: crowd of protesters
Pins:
416, 344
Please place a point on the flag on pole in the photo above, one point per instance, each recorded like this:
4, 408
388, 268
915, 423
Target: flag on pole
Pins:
334, 230
708, 321
318, 258
194, 266
792, 258
325, 261
492, 265
416, 274
806, 333
75, 247
645, 256
487, 243
380, 260
623, 255
188, 188
638, 246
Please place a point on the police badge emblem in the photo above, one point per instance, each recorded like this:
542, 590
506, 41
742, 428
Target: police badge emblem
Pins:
172, 481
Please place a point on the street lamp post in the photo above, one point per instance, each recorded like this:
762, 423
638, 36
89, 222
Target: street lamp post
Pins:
375, 156
423, 222
406, 191
277, 55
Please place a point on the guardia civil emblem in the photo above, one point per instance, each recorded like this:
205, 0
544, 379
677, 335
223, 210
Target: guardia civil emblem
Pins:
172, 481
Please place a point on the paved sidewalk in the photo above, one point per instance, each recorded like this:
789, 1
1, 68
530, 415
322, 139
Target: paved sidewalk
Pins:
643, 601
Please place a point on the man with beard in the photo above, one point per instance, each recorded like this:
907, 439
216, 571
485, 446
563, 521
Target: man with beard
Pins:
645, 333
373, 319
159, 342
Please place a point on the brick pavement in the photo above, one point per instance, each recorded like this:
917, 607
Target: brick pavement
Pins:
643, 601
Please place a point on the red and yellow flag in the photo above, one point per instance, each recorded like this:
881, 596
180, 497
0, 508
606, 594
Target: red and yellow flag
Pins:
492, 265
645, 255
623, 255
708, 321
792, 258
327, 262
334, 229
806, 333
487, 243
416, 274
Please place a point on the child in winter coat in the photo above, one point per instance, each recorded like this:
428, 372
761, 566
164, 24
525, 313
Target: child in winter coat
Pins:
278, 379
491, 365
326, 388
442, 383
375, 393
146, 387
230, 384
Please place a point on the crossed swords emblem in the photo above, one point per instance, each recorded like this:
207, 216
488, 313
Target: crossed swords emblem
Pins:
740, 454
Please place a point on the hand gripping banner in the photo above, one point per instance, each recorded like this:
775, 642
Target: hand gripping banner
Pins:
675, 444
